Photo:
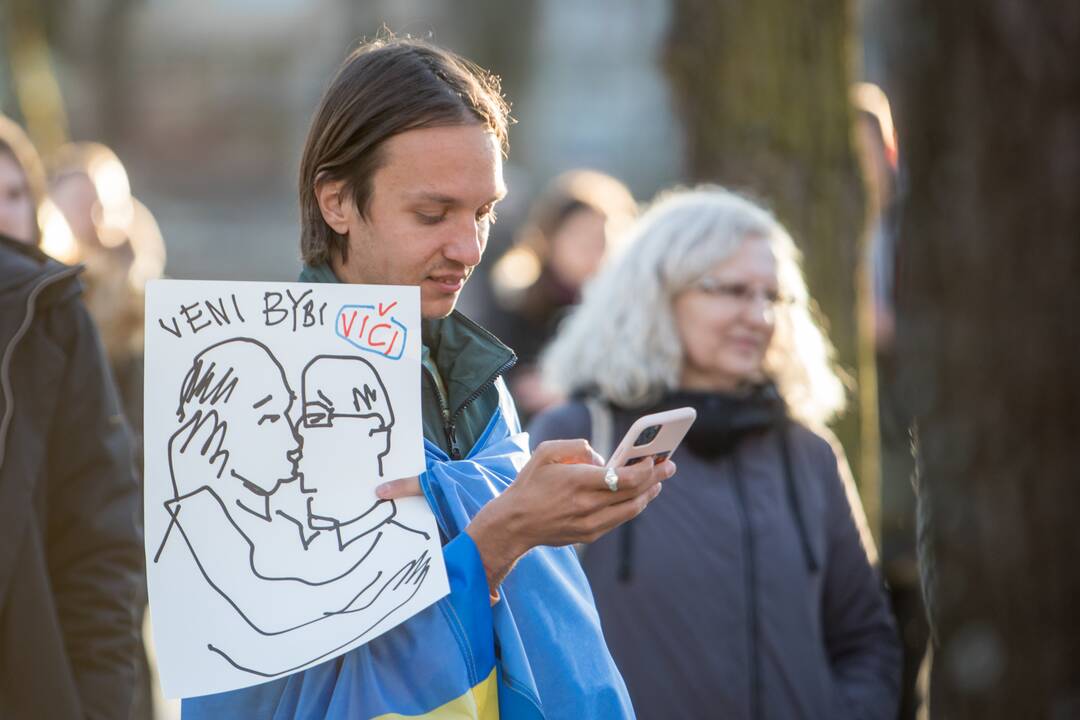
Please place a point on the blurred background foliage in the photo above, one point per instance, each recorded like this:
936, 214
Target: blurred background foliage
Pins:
207, 102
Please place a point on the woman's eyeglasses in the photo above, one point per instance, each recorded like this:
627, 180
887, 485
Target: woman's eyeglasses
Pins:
741, 292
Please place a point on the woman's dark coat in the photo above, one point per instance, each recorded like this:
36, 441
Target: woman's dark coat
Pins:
719, 602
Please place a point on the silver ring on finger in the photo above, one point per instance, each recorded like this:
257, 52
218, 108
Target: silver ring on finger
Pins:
611, 479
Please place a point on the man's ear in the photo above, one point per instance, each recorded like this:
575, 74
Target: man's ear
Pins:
334, 205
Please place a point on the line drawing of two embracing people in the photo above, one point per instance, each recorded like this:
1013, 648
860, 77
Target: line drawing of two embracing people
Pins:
309, 544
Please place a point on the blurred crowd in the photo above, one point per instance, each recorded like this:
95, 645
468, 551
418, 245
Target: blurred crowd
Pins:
79, 209
614, 309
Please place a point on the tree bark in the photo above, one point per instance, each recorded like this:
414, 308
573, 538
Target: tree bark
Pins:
763, 90
989, 333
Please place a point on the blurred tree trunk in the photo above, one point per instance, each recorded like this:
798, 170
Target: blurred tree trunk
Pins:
39, 104
763, 89
113, 71
989, 334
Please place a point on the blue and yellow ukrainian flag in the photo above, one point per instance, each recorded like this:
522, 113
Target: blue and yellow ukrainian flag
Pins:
538, 653
439, 664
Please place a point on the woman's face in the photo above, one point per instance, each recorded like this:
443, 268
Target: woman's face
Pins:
17, 219
578, 246
726, 320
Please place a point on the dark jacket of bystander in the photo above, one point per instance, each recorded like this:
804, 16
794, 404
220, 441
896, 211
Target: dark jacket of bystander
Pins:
747, 589
70, 530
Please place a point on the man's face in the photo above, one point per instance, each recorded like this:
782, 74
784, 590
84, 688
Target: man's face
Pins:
431, 208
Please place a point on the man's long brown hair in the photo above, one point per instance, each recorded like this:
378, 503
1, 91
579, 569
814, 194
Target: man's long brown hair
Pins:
384, 88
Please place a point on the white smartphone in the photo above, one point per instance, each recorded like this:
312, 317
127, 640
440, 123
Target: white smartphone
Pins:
653, 437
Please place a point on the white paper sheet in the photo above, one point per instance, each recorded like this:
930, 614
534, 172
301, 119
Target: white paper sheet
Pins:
272, 410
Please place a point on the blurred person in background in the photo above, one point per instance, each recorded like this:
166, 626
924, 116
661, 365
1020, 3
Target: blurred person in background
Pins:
879, 153
70, 540
572, 227
750, 592
26, 213
22, 184
118, 242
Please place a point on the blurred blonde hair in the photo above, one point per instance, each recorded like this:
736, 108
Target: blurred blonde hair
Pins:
622, 342
118, 216
131, 251
871, 99
15, 142
115, 209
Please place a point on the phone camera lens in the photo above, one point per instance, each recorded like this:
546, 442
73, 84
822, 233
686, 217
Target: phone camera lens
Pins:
647, 435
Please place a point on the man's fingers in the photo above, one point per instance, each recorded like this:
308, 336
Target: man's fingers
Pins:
566, 451
403, 487
636, 479
606, 519
639, 481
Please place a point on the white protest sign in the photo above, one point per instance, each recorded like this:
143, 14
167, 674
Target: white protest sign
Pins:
272, 412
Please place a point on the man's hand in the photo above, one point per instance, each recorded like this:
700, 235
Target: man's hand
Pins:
405, 487
560, 498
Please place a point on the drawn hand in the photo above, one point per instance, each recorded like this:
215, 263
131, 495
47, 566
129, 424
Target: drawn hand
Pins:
196, 457
396, 588
403, 487
560, 498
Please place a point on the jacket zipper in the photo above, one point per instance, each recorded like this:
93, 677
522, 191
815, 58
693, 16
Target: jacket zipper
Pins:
750, 580
440, 395
450, 421
9, 351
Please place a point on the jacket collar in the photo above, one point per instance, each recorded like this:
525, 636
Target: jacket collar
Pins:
467, 356
26, 272
22, 265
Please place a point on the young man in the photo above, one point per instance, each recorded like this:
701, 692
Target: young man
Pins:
399, 180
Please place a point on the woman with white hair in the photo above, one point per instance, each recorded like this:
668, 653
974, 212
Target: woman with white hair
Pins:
749, 590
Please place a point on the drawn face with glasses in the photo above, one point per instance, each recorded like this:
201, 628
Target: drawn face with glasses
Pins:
726, 319
347, 423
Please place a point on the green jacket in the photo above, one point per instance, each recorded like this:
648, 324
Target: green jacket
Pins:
461, 364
